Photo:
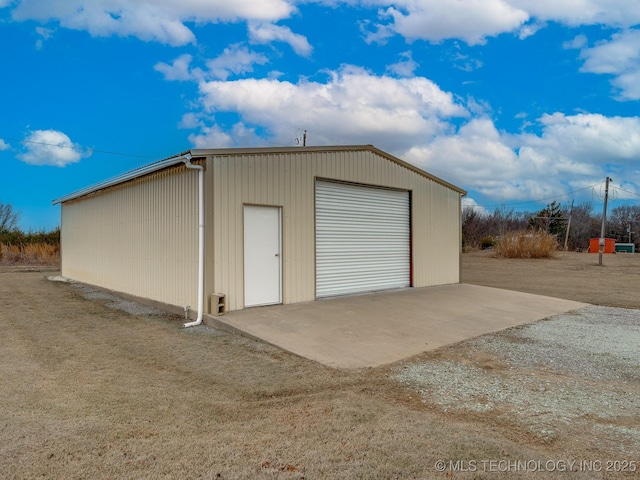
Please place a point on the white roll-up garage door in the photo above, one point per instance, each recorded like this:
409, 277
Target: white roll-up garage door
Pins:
362, 239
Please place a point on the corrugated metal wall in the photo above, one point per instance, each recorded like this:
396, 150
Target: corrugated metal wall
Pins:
140, 237
287, 180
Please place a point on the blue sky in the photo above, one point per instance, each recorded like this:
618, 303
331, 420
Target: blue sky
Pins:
512, 100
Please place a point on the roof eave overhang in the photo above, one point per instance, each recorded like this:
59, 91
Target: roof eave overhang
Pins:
196, 153
125, 177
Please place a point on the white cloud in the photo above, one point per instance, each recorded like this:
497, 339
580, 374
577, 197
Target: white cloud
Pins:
157, 20
470, 203
354, 106
476, 157
45, 34
375, 33
479, 108
433, 20
215, 137
616, 13
404, 68
4, 145
178, 70
572, 152
475, 20
211, 137
414, 119
50, 147
236, 59
580, 41
465, 62
620, 54
190, 120
589, 139
267, 33
530, 29
626, 190
619, 57
629, 85
469, 20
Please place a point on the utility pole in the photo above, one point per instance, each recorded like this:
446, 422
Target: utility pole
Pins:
604, 221
566, 237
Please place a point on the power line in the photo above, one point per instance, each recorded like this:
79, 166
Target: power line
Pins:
533, 201
626, 191
79, 148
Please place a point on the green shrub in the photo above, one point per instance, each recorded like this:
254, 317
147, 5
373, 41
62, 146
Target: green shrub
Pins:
487, 242
18, 237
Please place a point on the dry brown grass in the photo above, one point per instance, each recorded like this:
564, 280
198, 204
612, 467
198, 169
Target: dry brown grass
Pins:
569, 275
90, 392
30, 254
526, 244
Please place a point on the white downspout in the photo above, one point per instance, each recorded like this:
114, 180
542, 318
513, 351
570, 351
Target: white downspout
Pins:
200, 168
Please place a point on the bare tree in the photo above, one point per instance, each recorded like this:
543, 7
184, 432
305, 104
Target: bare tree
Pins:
584, 226
477, 225
473, 227
508, 220
8, 217
623, 219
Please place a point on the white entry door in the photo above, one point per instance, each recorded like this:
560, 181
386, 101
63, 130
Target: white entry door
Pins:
262, 256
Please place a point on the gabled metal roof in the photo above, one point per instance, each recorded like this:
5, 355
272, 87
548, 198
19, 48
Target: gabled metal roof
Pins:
125, 177
199, 153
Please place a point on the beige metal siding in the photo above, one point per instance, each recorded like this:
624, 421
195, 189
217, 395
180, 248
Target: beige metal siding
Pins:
288, 180
140, 237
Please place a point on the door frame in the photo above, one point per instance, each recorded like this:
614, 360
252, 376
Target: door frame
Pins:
408, 191
279, 254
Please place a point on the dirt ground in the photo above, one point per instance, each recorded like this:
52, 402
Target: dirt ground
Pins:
92, 388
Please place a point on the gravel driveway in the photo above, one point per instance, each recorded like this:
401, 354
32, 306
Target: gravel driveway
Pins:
579, 370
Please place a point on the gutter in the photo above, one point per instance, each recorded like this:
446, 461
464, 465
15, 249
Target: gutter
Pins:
139, 172
187, 163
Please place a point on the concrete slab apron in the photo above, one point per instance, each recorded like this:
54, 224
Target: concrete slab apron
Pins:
376, 329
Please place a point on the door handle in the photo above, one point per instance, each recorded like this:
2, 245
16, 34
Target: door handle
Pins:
277, 254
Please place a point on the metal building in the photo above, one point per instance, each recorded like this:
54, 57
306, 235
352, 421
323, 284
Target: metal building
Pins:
264, 226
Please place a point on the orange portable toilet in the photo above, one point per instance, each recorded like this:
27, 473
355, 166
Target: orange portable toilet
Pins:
609, 245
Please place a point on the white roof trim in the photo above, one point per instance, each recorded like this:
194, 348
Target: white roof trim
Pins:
154, 167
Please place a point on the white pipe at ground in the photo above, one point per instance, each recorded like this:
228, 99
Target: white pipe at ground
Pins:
200, 168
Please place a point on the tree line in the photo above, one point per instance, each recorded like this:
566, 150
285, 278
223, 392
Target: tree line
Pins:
11, 234
479, 228
476, 226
